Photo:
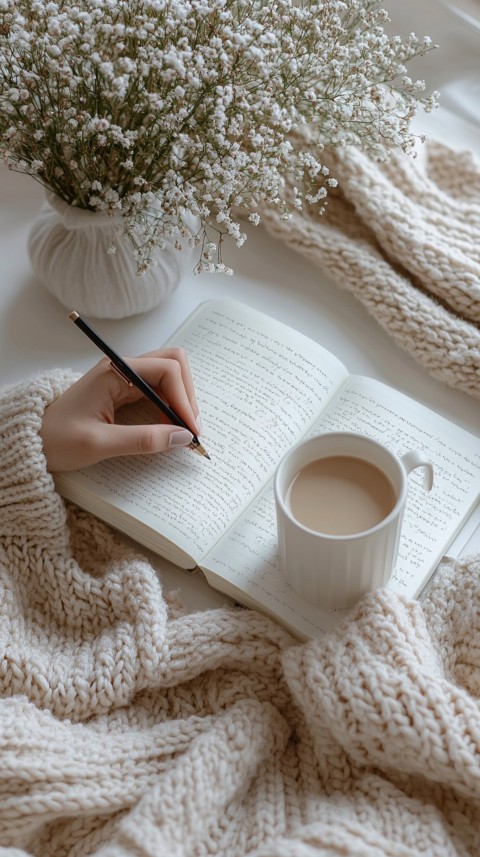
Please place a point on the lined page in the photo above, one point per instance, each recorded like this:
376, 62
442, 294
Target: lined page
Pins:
248, 555
259, 386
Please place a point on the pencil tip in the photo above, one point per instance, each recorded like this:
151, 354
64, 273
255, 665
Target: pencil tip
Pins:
197, 447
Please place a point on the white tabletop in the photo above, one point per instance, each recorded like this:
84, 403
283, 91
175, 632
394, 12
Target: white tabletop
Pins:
35, 332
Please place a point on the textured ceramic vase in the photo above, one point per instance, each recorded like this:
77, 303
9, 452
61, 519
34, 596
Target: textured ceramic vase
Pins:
68, 249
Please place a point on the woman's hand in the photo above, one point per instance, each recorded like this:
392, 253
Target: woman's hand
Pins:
78, 428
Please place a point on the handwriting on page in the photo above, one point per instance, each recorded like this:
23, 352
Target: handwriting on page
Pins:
258, 393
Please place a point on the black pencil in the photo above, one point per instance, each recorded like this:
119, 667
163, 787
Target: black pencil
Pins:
133, 378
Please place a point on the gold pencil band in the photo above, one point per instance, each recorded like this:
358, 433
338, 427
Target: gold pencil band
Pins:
119, 372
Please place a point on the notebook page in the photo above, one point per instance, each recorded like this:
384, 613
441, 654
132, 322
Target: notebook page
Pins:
248, 555
259, 385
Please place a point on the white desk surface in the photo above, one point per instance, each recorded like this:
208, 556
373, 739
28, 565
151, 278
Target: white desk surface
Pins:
35, 332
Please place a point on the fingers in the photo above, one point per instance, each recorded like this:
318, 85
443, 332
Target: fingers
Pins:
114, 440
79, 428
168, 372
180, 355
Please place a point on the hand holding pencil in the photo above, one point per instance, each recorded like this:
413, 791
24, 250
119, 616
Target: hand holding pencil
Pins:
79, 427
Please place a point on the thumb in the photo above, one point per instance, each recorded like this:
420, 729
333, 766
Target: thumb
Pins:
114, 440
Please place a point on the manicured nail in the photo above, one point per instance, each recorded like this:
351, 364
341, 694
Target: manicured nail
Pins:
180, 437
198, 421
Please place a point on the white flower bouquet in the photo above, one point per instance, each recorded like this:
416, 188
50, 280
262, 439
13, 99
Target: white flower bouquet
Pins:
147, 109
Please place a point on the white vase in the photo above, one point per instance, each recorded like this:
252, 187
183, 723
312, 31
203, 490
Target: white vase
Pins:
68, 249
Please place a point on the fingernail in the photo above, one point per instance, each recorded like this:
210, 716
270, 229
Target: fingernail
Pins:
198, 421
180, 437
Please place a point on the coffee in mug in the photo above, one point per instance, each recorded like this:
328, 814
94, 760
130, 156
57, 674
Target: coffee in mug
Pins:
340, 499
340, 495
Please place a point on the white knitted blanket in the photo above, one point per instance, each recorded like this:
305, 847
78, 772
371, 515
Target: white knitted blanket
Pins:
128, 728
404, 238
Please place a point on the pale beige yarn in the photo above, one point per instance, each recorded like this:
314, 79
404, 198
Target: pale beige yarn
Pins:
404, 238
130, 729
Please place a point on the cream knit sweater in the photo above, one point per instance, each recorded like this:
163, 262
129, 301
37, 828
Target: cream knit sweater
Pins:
128, 728
404, 238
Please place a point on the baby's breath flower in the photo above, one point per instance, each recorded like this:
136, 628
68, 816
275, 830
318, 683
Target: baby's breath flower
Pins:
147, 109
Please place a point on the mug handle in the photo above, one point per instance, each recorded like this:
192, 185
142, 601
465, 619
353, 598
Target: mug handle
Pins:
414, 459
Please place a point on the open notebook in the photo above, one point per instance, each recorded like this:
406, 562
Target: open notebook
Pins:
262, 387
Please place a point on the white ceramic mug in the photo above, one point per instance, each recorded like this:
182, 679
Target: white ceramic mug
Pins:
334, 571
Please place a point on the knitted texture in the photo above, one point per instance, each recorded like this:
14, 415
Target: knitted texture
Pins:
403, 237
128, 729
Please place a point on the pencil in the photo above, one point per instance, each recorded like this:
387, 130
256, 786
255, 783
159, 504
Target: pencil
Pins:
133, 378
